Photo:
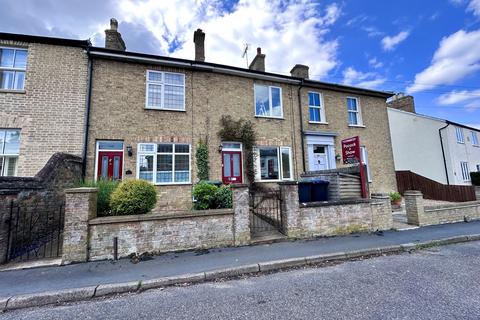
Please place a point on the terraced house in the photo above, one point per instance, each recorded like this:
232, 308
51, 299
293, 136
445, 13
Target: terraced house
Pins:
148, 113
43, 89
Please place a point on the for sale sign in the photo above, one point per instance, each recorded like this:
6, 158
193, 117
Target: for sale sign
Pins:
351, 150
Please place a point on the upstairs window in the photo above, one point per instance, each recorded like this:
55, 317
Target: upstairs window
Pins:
13, 63
474, 138
164, 163
316, 109
354, 114
9, 151
165, 91
268, 101
459, 134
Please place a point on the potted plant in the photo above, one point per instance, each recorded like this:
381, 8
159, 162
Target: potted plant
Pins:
395, 198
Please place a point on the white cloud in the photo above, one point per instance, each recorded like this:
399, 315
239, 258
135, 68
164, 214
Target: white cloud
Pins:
362, 79
373, 32
474, 7
374, 63
457, 56
456, 97
474, 125
389, 43
289, 33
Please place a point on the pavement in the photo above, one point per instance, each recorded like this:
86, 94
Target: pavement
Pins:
434, 283
40, 286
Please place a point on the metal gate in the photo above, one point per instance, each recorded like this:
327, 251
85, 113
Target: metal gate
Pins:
35, 232
266, 212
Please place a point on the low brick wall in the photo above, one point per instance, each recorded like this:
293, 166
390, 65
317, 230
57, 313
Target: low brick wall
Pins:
477, 192
333, 217
421, 215
156, 233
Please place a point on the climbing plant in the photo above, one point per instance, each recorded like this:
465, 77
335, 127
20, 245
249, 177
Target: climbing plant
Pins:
241, 131
202, 161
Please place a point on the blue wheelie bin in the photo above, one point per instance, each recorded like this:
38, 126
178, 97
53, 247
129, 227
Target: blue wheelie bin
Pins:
319, 190
305, 191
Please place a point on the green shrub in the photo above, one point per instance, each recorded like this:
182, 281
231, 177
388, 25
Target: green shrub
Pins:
133, 197
105, 188
475, 178
204, 194
223, 198
395, 196
209, 196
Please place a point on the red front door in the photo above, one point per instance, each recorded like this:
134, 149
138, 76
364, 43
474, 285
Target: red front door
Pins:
232, 167
110, 165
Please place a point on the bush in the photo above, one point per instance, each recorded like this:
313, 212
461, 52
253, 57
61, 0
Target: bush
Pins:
105, 188
475, 178
133, 197
395, 196
209, 196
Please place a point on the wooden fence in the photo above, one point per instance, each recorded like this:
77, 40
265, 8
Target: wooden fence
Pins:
407, 180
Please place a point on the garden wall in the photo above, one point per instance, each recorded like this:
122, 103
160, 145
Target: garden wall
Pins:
421, 215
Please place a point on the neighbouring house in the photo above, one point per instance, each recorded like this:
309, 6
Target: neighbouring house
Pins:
148, 114
435, 148
43, 89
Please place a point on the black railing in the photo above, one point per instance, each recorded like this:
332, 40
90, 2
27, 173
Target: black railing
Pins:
266, 213
35, 231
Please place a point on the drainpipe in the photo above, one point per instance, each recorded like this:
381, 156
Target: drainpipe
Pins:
302, 138
87, 114
443, 152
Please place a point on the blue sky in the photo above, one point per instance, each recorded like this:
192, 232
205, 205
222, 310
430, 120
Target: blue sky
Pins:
427, 48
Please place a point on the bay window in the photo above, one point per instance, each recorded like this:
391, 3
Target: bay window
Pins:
268, 101
9, 151
165, 91
274, 164
13, 64
164, 163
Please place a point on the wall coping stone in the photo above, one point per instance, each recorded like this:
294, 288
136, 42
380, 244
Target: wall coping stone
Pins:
288, 183
467, 204
156, 216
334, 203
412, 193
238, 185
81, 190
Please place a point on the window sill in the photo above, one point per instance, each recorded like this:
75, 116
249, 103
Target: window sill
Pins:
460, 142
356, 126
172, 184
165, 109
12, 91
266, 117
315, 122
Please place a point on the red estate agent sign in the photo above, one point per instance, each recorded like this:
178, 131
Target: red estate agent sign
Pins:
351, 155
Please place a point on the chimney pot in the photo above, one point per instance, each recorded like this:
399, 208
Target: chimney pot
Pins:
258, 63
113, 38
199, 40
300, 71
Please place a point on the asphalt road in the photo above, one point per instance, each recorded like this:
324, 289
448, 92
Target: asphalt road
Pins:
437, 283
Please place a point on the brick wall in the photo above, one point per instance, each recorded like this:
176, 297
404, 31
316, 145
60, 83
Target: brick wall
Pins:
50, 112
118, 113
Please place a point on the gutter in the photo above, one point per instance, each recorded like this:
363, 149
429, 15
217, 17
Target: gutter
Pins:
87, 114
443, 151
302, 134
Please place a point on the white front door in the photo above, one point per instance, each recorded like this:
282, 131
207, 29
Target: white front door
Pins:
319, 158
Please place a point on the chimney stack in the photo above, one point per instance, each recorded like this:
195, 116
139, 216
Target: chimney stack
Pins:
113, 38
402, 102
199, 40
299, 71
258, 63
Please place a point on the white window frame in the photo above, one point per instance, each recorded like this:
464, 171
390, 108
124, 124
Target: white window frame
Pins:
321, 108
358, 112
162, 84
155, 154
270, 107
3, 156
258, 175
97, 150
465, 171
459, 135
15, 70
474, 139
